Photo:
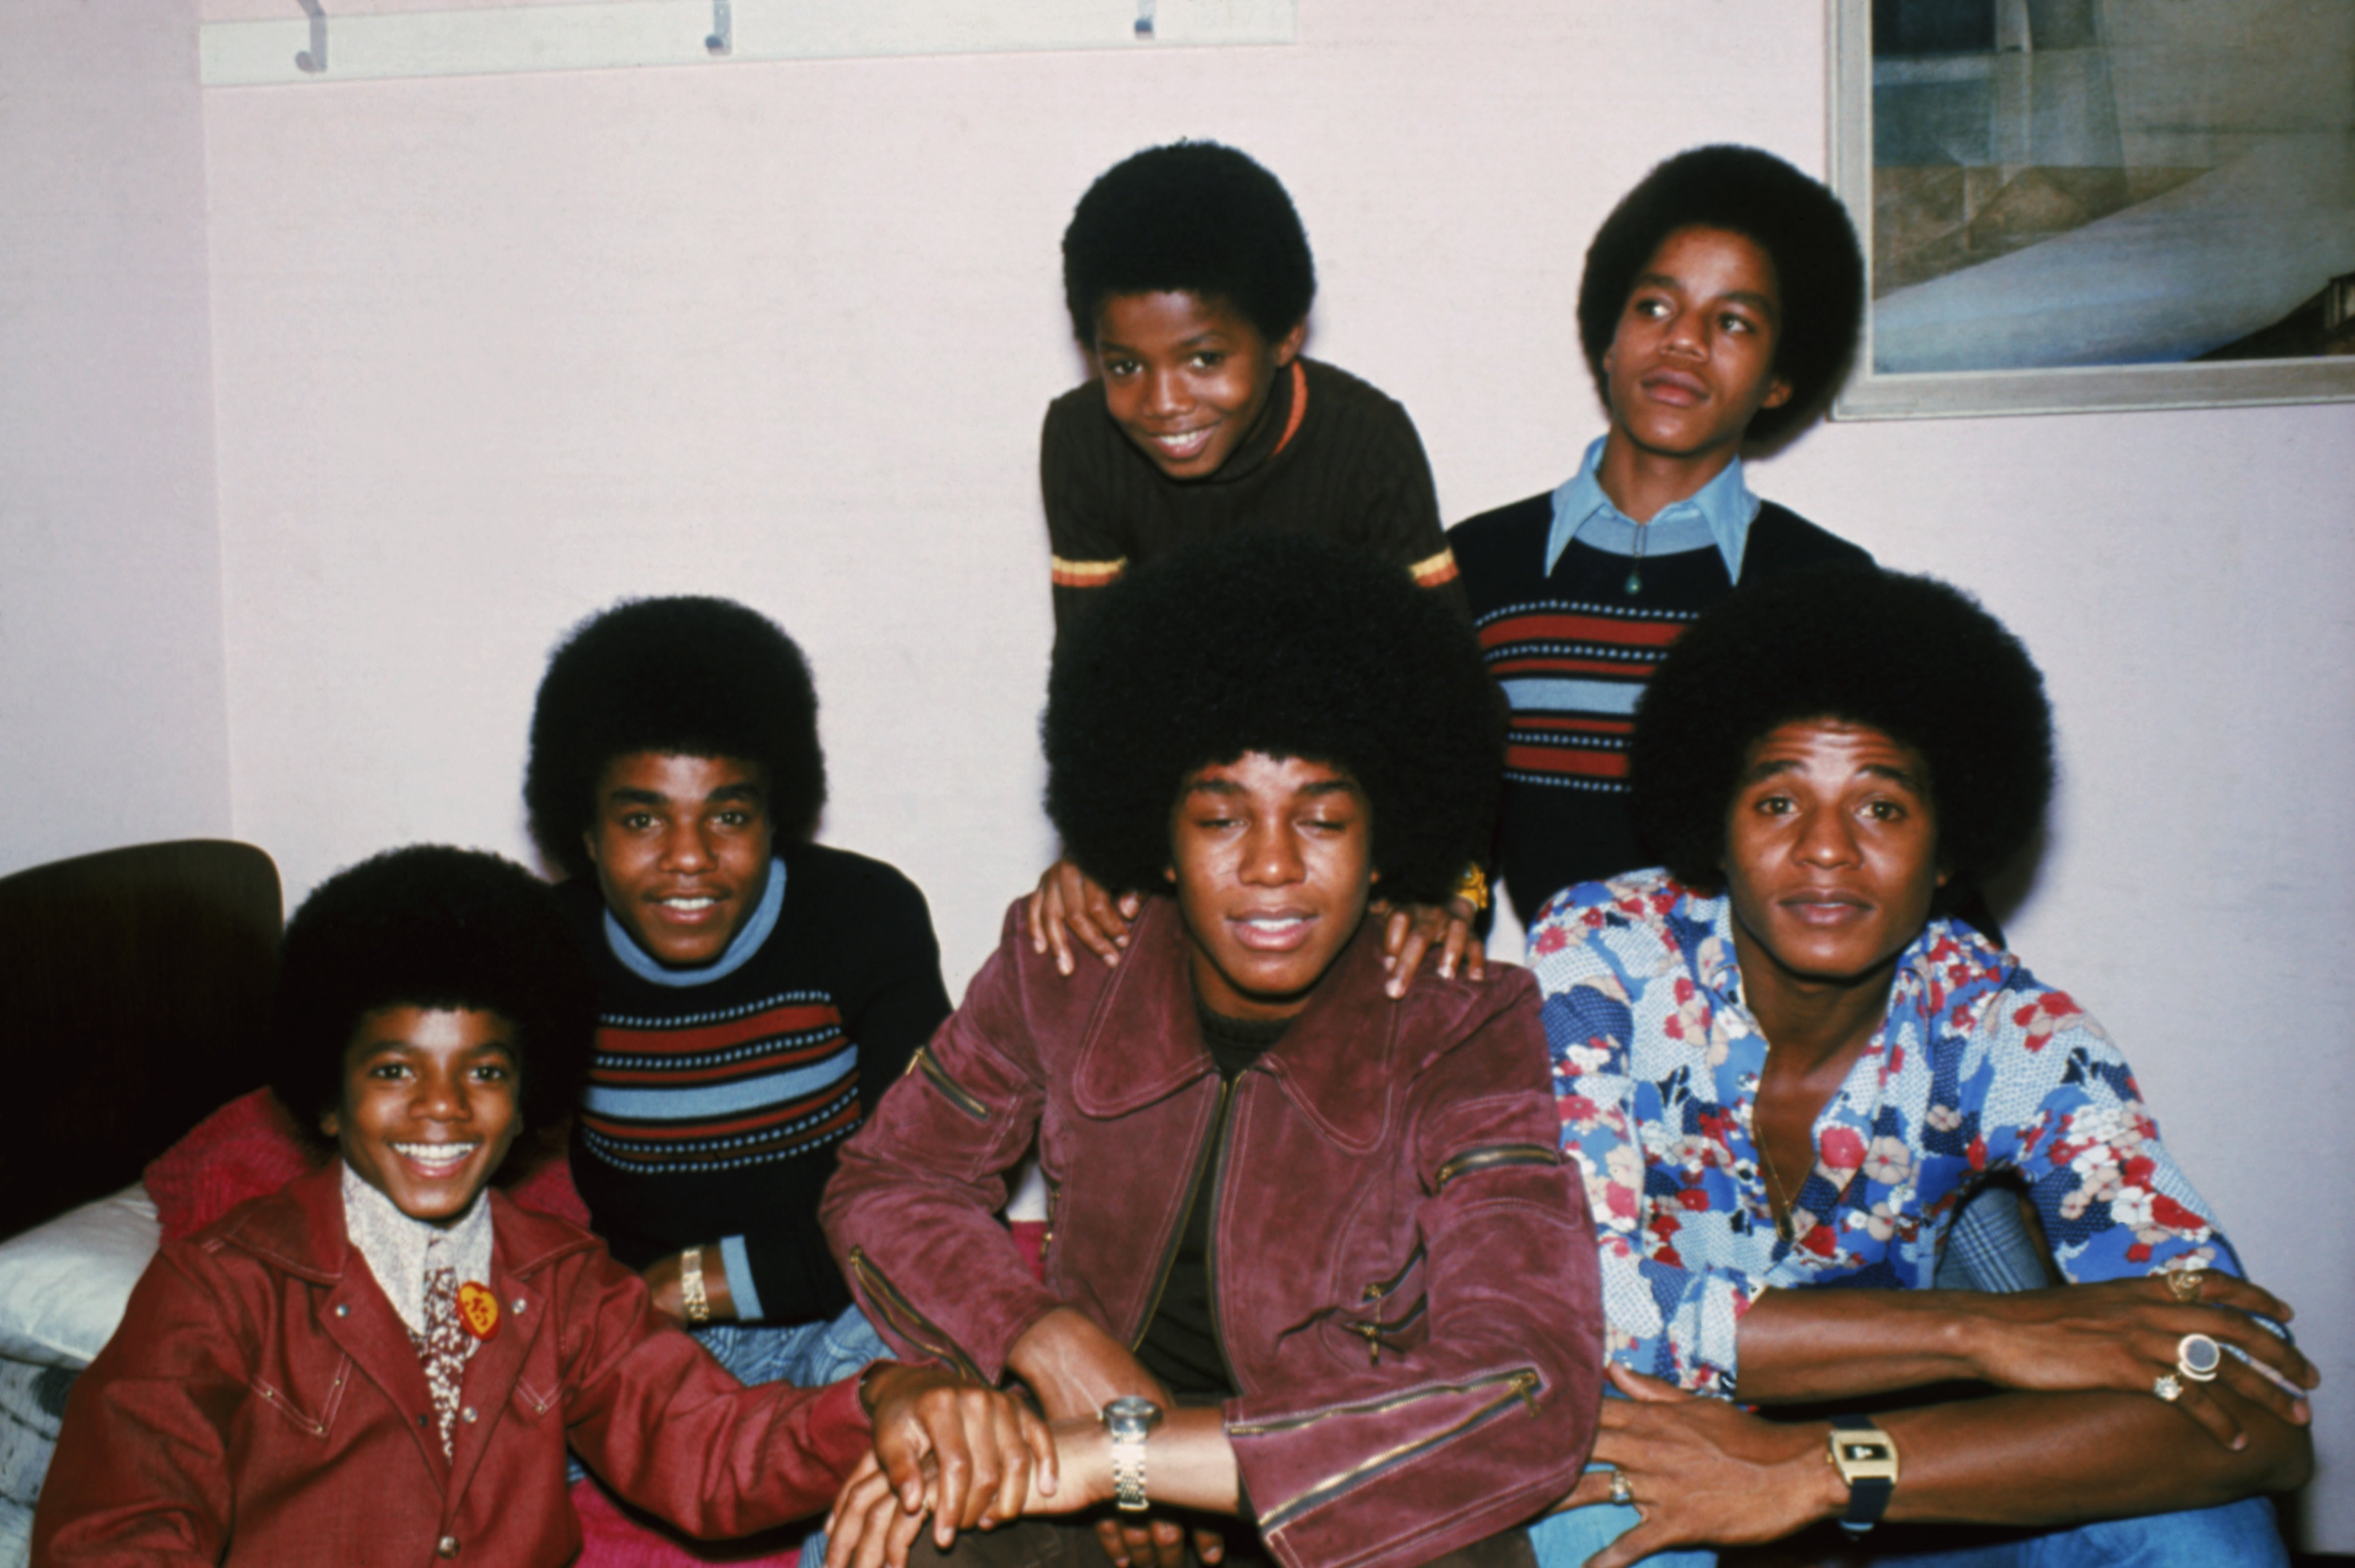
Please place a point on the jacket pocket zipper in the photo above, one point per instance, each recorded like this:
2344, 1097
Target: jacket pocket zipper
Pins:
1496, 1154
1372, 1332
913, 1325
1523, 1384
957, 1094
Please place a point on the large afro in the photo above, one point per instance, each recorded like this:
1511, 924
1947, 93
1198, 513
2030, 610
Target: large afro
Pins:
436, 928
685, 677
1801, 226
1193, 217
1288, 646
1909, 656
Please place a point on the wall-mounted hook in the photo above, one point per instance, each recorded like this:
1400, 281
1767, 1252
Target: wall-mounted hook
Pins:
722, 37
1144, 19
315, 59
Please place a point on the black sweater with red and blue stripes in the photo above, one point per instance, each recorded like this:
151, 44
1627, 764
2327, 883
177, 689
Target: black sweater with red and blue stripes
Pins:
1573, 650
714, 1110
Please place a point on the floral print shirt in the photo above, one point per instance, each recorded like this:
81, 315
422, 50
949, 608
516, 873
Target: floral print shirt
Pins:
1977, 1069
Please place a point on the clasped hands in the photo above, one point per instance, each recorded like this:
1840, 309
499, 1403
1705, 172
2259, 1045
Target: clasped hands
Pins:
969, 1457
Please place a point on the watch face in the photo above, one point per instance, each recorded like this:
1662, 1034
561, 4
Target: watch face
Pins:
1130, 1416
1856, 1452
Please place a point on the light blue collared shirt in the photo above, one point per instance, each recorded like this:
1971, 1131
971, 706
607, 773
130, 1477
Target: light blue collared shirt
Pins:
1719, 513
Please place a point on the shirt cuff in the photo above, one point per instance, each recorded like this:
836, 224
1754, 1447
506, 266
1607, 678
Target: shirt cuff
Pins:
738, 1261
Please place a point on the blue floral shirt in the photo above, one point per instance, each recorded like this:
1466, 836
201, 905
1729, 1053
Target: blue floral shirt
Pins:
1978, 1068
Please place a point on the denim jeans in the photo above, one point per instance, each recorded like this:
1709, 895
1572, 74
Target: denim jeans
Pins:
2241, 1534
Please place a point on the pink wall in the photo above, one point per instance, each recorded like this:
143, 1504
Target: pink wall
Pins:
113, 714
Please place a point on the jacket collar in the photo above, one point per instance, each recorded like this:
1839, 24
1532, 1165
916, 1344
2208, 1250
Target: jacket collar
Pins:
1341, 1063
301, 1231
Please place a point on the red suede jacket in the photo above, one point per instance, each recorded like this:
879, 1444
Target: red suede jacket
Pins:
1402, 1274
263, 1403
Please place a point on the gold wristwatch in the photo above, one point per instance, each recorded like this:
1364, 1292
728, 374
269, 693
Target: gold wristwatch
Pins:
1866, 1458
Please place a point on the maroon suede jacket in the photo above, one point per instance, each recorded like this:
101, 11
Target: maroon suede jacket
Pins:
1403, 1277
263, 1403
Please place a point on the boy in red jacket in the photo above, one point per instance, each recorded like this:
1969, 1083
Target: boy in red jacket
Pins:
382, 1362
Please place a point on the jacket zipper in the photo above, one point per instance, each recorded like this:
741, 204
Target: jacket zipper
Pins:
919, 1328
1178, 1235
1489, 1158
957, 1094
1210, 1231
1523, 1384
1374, 1331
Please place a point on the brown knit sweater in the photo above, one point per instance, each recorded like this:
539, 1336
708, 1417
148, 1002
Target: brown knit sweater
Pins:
1353, 470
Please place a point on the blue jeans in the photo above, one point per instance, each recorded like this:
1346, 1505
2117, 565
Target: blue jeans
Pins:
2241, 1534
806, 1355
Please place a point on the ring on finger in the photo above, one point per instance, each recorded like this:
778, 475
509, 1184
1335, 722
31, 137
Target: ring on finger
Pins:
2184, 1283
2169, 1387
1621, 1493
2198, 1357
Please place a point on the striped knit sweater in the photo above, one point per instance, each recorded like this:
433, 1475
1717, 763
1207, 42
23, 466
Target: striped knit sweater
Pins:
1330, 456
1573, 650
713, 1112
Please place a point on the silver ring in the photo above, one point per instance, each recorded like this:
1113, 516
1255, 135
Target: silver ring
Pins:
2198, 1357
1621, 1493
2169, 1387
2184, 1283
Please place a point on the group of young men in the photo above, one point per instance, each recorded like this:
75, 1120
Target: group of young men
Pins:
1351, 1260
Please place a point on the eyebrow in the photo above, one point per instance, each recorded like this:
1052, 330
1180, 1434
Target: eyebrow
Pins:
1759, 772
1750, 297
626, 795
1227, 787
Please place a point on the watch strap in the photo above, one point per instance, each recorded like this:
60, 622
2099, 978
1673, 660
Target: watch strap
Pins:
1869, 1466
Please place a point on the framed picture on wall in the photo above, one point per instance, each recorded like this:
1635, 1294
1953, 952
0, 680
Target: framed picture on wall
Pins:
2097, 204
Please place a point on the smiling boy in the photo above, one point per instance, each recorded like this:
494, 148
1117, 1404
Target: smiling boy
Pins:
757, 992
1189, 280
385, 1362
1720, 299
1358, 1288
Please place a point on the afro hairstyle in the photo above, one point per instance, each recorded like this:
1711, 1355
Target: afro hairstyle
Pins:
432, 927
1194, 217
1913, 657
1800, 225
685, 677
1286, 645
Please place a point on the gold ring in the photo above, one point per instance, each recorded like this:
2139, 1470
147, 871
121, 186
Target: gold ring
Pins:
2198, 1357
1621, 1493
2169, 1387
2184, 1283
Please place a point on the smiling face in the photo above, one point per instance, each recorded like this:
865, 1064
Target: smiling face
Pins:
1272, 859
428, 1106
1186, 378
681, 847
1831, 855
1693, 360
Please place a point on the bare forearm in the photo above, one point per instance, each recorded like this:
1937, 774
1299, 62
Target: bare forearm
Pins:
1800, 1347
2055, 1458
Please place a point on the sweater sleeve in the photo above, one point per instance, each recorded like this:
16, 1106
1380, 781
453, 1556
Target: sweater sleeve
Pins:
889, 1009
1089, 548
1397, 501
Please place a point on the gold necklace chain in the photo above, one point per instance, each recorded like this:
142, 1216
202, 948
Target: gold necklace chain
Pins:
1778, 1205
